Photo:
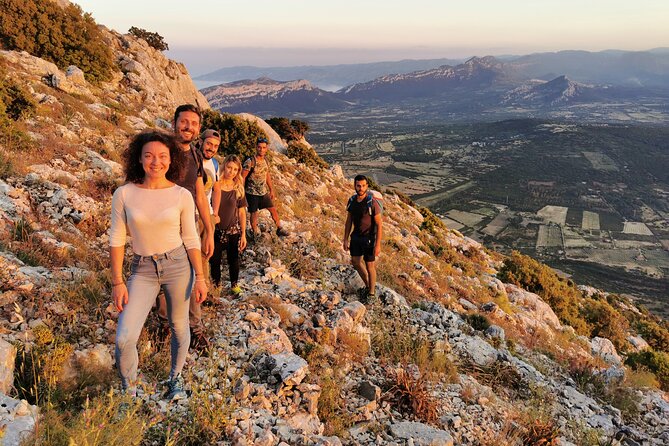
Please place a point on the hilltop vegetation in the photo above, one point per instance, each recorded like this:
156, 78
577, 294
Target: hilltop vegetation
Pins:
65, 36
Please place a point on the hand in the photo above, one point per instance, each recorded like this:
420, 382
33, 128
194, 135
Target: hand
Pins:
208, 245
199, 291
377, 250
271, 195
120, 296
345, 245
217, 219
242, 242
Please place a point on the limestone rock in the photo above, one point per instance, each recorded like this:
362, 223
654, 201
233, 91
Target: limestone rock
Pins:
421, 434
291, 368
17, 419
7, 358
605, 349
275, 142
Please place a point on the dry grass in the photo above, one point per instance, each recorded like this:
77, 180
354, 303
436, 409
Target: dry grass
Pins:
393, 344
410, 395
102, 422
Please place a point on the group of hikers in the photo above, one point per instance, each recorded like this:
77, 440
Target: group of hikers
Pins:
182, 209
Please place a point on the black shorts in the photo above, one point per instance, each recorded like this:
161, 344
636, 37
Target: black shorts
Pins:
257, 202
362, 245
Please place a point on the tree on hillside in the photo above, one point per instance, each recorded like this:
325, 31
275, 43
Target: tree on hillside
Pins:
289, 130
238, 136
154, 40
65, 36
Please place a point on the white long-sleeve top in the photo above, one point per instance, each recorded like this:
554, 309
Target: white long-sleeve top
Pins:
158, 220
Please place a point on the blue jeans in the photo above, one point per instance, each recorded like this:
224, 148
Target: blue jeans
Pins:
171, 271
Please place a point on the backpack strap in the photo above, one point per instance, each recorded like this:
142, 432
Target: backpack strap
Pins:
350, 202
370, 203
215, 161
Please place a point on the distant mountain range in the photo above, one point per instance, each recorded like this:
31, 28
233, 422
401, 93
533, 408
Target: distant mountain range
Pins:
267, 94
539, 81
327, 77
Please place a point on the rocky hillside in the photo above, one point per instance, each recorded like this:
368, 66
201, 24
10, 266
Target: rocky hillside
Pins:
448, 354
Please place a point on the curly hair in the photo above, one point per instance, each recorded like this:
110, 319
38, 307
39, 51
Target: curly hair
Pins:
134, 172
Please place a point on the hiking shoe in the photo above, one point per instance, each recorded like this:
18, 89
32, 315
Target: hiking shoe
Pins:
175, 389
199, 341
281, 232
236, 290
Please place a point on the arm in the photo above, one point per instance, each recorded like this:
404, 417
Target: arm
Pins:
270, 186
216, 201
200, 285
347, 230
191, 241
119, 290
378, 221
203, 210
242, 224
117, 239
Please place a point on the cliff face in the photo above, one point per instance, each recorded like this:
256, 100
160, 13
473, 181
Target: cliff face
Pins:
447, 355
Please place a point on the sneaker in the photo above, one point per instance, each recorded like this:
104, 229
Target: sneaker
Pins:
236, 290
199, 341
175, 389
281, 232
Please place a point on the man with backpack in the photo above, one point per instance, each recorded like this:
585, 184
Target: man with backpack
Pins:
208, 147
186, 125
259, 189
364, 210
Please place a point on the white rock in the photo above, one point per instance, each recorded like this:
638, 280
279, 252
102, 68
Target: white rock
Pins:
7, 358
421, 434
17, 418
605, 349
291, 368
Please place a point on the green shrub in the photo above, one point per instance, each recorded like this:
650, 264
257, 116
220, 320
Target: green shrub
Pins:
655, 362
304, 154
238, 135
430, 221
606, 322
562, 295
154, 40
289, 130
17, 103
65, 36
655, 334
478, 321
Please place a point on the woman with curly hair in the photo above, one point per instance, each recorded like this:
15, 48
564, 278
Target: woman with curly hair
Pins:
158, 216
229, 204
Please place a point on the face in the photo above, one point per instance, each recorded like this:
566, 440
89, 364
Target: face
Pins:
187, 127
262, 148
230, 171
360, 187
210, 147
155, 160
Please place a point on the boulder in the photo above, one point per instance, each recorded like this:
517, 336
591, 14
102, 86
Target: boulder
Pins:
370, 391
421, 434
7, 358
291, 368
605, 349
75, 75
495, 332
17, 420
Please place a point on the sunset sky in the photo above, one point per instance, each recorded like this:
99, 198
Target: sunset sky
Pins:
296, 32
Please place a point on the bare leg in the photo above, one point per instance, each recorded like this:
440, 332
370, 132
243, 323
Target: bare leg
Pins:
371, 272
275, 216
357, 264
254, 222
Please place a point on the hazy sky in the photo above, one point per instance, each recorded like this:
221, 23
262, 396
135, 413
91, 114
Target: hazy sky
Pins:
264, 32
